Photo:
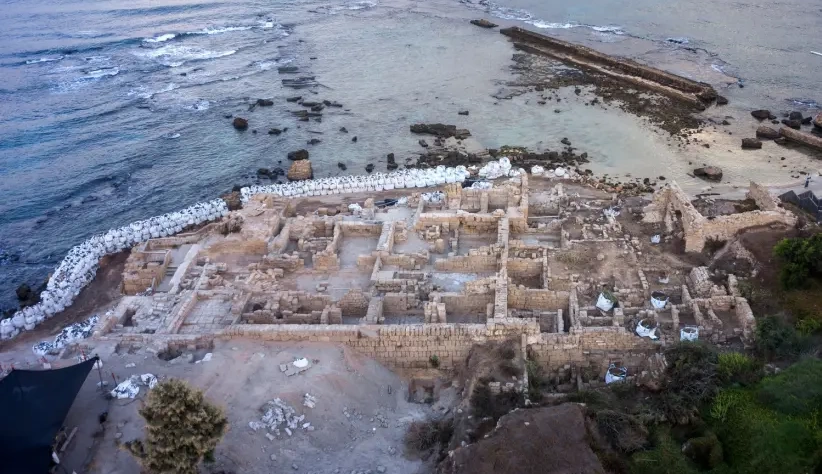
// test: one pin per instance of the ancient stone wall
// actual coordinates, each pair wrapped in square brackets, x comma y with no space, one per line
[525,267]
[461,304]
[520,297]
[762,197]
[144,269]
[360,229]
[354,303]
[467,263]
[670,205]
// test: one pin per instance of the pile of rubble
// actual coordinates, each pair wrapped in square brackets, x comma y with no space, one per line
[278,415]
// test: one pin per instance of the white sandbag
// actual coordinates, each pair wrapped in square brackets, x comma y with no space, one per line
[646,329]
[659,299]
[689,333]
[126,389]
[605,303]
[148,380]
[655,239]
[615,374]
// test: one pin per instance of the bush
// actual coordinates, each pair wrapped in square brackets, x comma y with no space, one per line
[775,339]
[808,326]
[434,360]
[705,451]
[801,260]
[796,390]
[691,380]
[738,368]
[756,439]
[625,433]
[181,429]
[665,458]
[536,380]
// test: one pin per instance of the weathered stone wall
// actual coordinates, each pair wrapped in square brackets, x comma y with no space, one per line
[762,197]
[670,204]
[467,264]
[144,269]
[354,303]
[361,229]
[524,267]
[456,303]
[520,297]
[593,347]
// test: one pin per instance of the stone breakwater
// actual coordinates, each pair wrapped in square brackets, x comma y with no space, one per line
[80,265]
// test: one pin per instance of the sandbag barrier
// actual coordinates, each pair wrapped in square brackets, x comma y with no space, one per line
[80,265]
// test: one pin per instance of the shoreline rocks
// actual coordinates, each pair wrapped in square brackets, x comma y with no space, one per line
[767,132]
[240,123]
[710,173]
[751,144]
[483,23]
[762,114]
[298,155]
[440,130]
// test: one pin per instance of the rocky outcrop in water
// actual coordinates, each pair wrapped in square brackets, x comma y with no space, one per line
[265,102]
[440,130]
[240,123]
[483,23]
[767,132]
[298,155]
[711,173]
[762,114]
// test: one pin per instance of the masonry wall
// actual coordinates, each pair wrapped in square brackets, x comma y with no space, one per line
[467,264]
[593,347]
[520,297]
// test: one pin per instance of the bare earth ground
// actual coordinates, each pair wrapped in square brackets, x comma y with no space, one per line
[360,417]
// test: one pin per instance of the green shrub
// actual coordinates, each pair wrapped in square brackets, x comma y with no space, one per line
[665,458]
[775,339]
[705,451]
[735,367]
[796,390]
[434,360]
[625,433]
[808,326]
[691,380]
[536,381]
[182,428]
[801,260]
[756,439]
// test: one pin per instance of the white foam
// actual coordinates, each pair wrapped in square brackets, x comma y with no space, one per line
[548,25]
[98,73]
[44,60]
[176,55]
[217,31]
[161,38]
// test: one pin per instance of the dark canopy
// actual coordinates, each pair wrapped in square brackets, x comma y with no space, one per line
[33,406]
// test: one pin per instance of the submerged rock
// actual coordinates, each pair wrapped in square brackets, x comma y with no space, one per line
[711,173]
[296,98]
[793,123]
[298,155]
[767,132]
[796,116]
[483,23]
[342,166]
[265,102]
[721,100]
[761,114]
[440,130]
[314,141]
[462,112]
[751,144]
[240,123]
[369,167]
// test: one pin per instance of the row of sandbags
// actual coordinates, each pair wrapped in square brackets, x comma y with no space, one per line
[80,264]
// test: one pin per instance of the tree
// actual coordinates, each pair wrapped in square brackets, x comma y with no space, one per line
[181,428]
[801,260]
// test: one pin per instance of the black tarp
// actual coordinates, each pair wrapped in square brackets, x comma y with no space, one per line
[33,406]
